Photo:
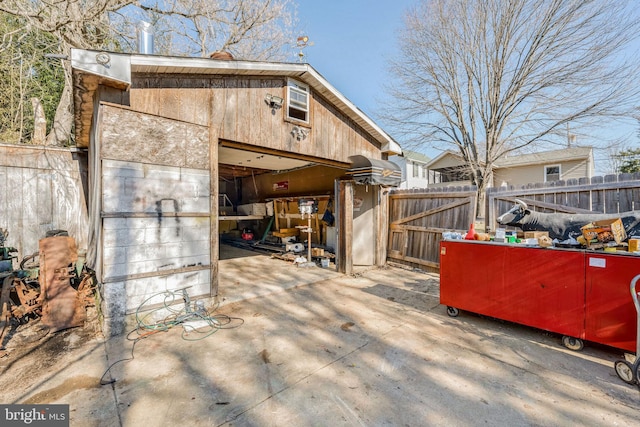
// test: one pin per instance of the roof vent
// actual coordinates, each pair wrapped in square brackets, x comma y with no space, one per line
[145,38]
[226,56]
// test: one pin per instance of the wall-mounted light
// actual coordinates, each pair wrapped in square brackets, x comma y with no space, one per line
[299,133]
[273,101]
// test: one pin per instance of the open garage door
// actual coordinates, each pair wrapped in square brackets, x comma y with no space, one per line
[259,190]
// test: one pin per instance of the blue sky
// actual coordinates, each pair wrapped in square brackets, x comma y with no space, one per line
[352,42]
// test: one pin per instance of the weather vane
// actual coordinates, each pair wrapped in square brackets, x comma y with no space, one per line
[301,43]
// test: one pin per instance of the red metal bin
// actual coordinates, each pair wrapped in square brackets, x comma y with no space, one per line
[611,317]
[543,288]
[576,293]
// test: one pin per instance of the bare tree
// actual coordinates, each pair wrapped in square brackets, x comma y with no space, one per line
[249,29]
[74,23]
[25,74]
[488,78]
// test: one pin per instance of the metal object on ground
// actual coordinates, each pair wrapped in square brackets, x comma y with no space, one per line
[627,371]
[19,292]
[53,290]
[62,305]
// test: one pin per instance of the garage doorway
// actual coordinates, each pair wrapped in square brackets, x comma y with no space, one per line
[259,193]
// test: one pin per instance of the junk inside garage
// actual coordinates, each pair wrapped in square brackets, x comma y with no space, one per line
[289,215]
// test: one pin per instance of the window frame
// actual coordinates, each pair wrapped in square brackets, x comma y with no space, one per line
[296,87]
[546,172]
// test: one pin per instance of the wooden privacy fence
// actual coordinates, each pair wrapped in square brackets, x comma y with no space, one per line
[419,217]
[41,189]
[609,194]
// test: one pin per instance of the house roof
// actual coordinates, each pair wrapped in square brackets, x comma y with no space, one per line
[445,159]
[449,158]
[545,157]
[118,68]
[414,155]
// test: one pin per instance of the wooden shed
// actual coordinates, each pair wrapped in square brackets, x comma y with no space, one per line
[184,153]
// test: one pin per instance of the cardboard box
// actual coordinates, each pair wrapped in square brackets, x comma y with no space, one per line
[535,234]
[286,232]
[253,209]
[225,226]
[607,230]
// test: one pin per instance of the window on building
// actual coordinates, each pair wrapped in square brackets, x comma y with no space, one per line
[552,173]
[425,172]
[453,174]
[416,170]
[297,101]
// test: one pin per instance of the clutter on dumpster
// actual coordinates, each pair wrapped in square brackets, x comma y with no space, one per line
[567,274]
[557,230]
[563,226]
[582,295]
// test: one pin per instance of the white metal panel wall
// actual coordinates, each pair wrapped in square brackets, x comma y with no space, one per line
[155,228]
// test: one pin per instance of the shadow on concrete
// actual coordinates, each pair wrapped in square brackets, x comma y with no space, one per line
[362,350]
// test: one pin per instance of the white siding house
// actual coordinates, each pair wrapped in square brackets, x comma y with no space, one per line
[414,169]
[448,169]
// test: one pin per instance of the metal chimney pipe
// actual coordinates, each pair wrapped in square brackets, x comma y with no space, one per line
[145,38]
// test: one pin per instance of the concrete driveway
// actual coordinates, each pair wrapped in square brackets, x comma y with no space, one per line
[375,349]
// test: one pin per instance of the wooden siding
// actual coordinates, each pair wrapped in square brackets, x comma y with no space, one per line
[239,112]
[41,189]
[152,139]
[608,194]
[344,206]
[417,219]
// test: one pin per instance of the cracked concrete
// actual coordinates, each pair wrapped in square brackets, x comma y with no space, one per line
[374,349]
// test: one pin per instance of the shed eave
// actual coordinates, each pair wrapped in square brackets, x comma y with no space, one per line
[85,61]
[306,73]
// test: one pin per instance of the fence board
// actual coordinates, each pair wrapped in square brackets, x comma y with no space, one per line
[40,190]
[609,194]
[419,217]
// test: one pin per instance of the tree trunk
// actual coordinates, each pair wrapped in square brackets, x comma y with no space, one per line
[62,124]
[39,123]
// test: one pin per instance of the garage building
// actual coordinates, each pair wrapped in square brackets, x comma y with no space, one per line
[187,153]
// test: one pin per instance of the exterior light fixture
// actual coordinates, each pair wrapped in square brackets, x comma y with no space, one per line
[273,101]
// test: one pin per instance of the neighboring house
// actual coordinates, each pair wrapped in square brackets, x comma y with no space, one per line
[166,136]
[546,166]
[414,169]
[448,169]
